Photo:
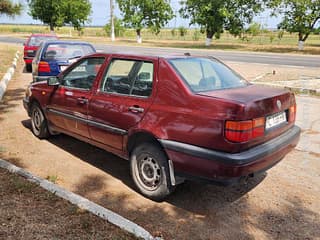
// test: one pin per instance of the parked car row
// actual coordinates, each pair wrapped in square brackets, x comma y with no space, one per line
[173,117]
[45,55]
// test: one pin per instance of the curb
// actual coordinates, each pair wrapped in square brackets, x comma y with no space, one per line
[293,89]
[7,77]
[81,202]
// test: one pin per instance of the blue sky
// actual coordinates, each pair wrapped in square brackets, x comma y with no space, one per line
[101,15]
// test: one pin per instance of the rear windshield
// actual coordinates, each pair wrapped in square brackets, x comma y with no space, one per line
[36,41]
[63,51]
[204,74]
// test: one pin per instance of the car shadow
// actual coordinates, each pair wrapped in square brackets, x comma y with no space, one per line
[188,195]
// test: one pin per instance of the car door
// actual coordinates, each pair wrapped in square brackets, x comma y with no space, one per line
[68,105]
[123,98]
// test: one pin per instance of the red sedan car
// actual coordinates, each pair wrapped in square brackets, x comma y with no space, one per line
[173,118]
[31,46]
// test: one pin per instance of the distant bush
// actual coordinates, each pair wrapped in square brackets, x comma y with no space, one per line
[182,31]
[196,35]
[173,32]
[119,29]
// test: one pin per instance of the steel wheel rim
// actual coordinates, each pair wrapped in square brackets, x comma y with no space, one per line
[36,120]
[149,172]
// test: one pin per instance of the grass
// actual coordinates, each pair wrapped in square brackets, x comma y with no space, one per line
[267,41]
[28,210]
[52,178]
[7,53]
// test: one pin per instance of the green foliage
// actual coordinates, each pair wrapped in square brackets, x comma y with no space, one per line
[119,28]
[59,12]
[254,29]
[300,16]
[173,32]
[182,31]
[196,35]
[216,16]
[52,178]
[152,14]
[9,8]
[76,13]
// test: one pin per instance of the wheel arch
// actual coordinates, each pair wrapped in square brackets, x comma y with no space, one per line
[141,137]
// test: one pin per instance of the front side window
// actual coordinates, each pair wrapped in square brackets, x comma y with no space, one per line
[129,77]
[203,74]
[83,74]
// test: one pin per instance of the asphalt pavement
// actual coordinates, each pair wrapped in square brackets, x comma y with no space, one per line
[292,60]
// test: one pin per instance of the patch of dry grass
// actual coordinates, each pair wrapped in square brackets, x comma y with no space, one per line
[29,212]
[7,52]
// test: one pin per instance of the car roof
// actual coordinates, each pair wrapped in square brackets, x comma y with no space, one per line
[66,42]
[43,35]
[152,56]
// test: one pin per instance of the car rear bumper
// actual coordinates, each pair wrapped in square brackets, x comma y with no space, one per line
[208,164]
[28,60]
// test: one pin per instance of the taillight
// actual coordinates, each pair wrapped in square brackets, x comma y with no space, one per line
[243,131]
[292,113]
[44,67]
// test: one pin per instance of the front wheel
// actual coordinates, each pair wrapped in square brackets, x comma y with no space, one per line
[39,122]
[150,171]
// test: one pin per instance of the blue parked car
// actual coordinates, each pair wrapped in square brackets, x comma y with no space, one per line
[53,57]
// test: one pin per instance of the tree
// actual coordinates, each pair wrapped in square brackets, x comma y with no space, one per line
[56,13]
[9,8]
[152,14]
[214,17]
[300,16]
[118,27]
[76,12]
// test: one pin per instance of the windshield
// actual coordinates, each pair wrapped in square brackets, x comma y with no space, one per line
[63,51]
[35,41]
[203,74]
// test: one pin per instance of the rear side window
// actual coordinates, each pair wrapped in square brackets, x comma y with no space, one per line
[66,51]
[203,74]
[129,77]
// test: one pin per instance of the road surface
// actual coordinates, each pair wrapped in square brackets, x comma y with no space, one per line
[293,60]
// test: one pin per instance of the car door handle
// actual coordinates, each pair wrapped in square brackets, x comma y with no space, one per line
[82,100]
[136,109]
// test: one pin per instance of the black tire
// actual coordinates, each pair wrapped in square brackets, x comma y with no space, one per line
[150,171]
[39,122]
[29,67]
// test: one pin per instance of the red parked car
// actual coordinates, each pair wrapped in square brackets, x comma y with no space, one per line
[173,118]
[31,46]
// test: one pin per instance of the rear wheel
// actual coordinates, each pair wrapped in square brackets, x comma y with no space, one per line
[39,122]
[150,171]
[29,67]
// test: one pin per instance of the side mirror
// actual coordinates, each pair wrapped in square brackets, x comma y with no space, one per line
[53,81]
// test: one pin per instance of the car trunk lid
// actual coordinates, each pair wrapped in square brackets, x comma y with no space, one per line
[274,106]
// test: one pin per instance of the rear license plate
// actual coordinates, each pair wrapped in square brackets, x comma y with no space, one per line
[276,119]
[62,68]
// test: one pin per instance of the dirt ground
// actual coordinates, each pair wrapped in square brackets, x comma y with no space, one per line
[283,203]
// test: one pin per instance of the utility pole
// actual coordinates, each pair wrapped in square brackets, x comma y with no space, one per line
[112,21]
